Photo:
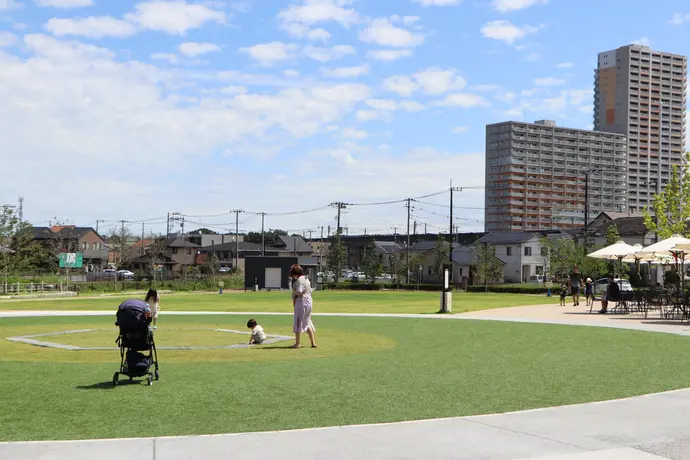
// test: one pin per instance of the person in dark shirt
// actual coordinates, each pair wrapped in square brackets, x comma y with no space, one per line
[575,285]
[613,294]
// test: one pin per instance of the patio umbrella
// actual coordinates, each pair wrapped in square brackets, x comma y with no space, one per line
[668,247]
[617,251]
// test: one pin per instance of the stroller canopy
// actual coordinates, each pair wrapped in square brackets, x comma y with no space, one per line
[131,315]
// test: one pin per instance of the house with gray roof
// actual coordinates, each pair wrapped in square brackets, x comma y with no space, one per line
[522,253]
[73,239]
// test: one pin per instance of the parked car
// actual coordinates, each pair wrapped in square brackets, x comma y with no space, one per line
[225,269]
[125,274]
[601,285]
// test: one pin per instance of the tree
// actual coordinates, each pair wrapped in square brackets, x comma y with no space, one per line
[156,252]
[270,237]
[612,235]
[486,265]
[671,207]
[18,236]
[337,255]
[121,250]
[373,262]
[441,251]
[561,255]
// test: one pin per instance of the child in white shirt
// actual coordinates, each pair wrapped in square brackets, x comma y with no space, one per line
[258,334]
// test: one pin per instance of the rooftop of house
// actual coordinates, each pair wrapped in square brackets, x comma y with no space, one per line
[180,243]
[62,231]
[627,226]
[508,237]
[243,246]
[292,243]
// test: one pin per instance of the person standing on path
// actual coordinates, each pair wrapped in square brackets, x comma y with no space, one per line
[302,304]
[575,285]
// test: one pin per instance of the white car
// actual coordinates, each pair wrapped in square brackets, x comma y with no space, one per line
[125,274]
[601,285]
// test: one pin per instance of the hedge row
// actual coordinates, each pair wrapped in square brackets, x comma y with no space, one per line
[515,289]
[380,287]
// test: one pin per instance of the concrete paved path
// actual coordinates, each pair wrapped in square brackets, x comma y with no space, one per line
[641,428]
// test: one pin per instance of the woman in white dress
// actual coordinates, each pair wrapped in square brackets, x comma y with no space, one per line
[302,303]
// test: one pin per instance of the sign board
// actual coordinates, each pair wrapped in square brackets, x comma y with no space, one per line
[549,284]
[71,260]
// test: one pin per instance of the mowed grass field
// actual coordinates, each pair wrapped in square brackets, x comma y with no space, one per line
[366,370]
[324,302]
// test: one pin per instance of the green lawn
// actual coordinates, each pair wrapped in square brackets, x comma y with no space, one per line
[365,370]
[324,302]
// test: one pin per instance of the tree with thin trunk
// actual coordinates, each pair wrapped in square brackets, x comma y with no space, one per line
[670,210]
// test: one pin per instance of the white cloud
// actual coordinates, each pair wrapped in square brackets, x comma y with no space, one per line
[63,4]
[409,20]
[92,27]
[318,11]
[644,41]
[465,100]
[382,32]
[549,81]
[271,53]
[389,55]
[168,57]
[301,31]
[400,84]
[174,17]
[679,19]
[382,104]
[411,106]
[565,65]
[7,39]
[433,80]
[438,2]
[346,72]
[10,5]
[487,87]
[505,6]
[233,90]
[292,73]
[192,49]
[349,133]
[533,57]
[506,31]
[134,113]
[328,54]
[369,115]
[508,96]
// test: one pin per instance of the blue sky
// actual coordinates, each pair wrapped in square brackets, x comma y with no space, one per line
[123,110]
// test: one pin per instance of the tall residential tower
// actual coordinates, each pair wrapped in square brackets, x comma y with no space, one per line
[538,175]
[640,94]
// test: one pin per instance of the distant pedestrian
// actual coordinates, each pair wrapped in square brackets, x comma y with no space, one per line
[564,292]
[589,292]
[153,300]
[302,304]
[575,285]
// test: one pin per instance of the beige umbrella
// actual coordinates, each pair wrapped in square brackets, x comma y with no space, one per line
[617,251]
[670,247]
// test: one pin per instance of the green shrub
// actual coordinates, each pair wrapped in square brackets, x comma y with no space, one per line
[556,290]
[353,287]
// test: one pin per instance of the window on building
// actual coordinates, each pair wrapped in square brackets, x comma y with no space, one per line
[509,251]
[460,271]
[428,271]
[528,250]
[174,250]
[544,251]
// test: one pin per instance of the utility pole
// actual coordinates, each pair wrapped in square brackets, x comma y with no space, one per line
[142,240]
[97,222]
[425,232]
[167,228]
[21,209]
[407,248]
[340,206]
[321,250]
[263,235]
[415,228]
[450,252]
[237,237]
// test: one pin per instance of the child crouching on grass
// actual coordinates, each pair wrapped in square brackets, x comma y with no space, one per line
[258,334]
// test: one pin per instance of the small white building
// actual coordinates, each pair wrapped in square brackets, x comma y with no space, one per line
[521,252]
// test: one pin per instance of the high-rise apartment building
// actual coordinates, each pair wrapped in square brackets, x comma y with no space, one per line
[640,93]
[537,175]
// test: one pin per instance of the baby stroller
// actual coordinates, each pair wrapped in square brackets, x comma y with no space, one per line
[135,337]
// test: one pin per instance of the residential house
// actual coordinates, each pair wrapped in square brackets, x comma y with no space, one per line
[320,252]
[70,238]
[181,251]
[228,253]
[424,255]
[289,246]
[210,239]
[522,253]
[356,254]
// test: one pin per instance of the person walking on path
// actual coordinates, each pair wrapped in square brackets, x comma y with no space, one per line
[302,304]
[589,292]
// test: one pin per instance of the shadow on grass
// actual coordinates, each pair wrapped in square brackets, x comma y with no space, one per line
[109,385]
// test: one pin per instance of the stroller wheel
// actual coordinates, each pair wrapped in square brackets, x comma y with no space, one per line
[156,375]
[115,377]
[150,381]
